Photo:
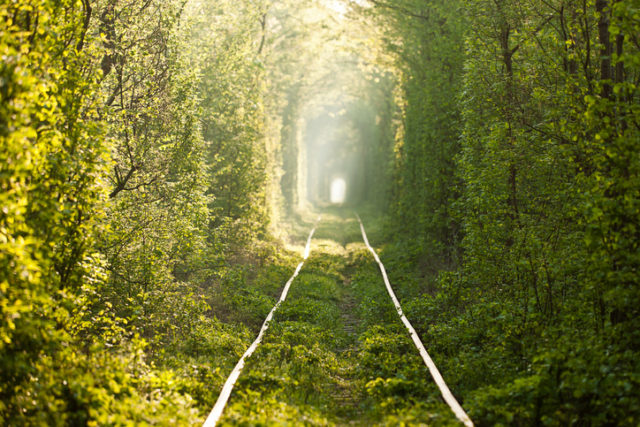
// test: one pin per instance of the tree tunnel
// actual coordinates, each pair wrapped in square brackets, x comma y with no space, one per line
[334,152]
[339,150]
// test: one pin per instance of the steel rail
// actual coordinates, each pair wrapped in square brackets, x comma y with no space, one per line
[435,373]
[223,398]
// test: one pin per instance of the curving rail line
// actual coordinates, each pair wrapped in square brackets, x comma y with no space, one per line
[444,389]
[216,412]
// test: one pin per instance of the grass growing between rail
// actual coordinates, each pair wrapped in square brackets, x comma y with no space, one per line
[336,352]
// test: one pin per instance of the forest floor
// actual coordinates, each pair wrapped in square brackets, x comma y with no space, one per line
[336,352]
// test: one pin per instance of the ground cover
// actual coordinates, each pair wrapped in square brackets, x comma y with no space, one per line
[336,352]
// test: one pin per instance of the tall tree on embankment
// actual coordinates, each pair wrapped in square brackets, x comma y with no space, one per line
[228,40]
[427,43]
[550,167]
[156,209]
[55,161]
[104,228]
[538,323]
[47,153]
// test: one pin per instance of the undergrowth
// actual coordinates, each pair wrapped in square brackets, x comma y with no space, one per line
[336,352]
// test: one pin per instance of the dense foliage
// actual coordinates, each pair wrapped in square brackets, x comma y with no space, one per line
[519,166]
[115,215]
[150,149]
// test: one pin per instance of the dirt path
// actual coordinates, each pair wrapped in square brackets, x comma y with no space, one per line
[347,394]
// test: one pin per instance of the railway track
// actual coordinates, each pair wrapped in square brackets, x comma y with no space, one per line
[343,389]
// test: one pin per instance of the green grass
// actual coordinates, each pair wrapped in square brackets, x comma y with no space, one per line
[335,352]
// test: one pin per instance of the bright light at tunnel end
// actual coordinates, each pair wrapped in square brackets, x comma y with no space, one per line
[338,190]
